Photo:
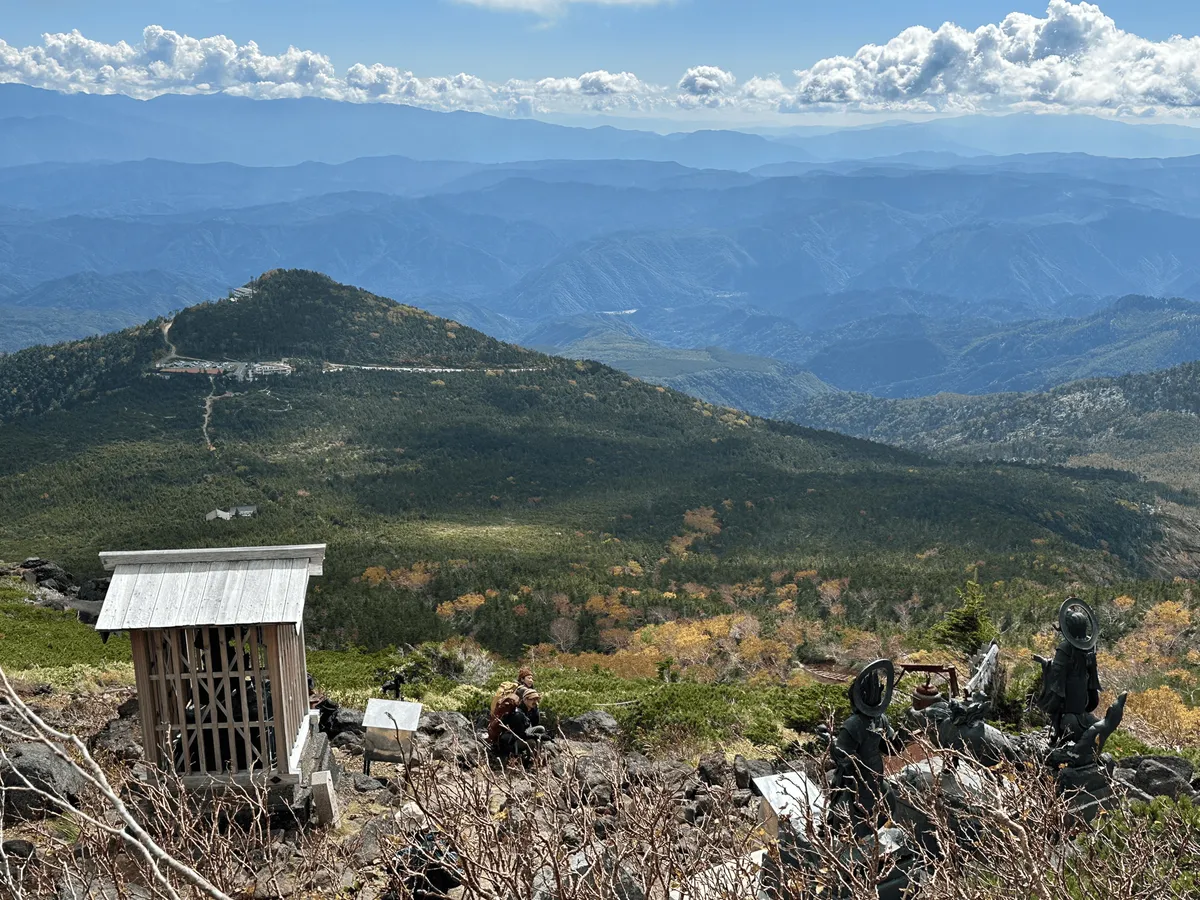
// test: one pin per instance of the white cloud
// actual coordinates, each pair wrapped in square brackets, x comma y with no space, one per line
[706,86]
[1072,58]
[1075,58]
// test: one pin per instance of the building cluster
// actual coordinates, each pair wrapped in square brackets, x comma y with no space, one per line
[239,370]
[242,512]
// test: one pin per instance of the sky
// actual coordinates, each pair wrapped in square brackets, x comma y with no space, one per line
[767,60]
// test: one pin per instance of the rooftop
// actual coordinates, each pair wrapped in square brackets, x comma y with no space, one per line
[222,586]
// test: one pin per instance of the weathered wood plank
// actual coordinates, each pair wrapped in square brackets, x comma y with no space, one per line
[113,558]
[146,706]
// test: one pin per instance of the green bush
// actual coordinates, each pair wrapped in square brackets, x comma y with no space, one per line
[968,627]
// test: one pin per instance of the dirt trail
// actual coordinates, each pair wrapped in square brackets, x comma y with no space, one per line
[212,397]
[172,351]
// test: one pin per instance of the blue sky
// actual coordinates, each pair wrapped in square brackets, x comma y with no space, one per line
[657,41]
[768,62]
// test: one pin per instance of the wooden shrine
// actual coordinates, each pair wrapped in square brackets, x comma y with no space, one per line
[218,653]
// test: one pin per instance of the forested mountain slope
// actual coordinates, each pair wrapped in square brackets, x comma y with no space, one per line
[563,476]
[1147,423]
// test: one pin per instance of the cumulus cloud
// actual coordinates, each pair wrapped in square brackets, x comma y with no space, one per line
[706,86]
[1072,58]
[1075,58]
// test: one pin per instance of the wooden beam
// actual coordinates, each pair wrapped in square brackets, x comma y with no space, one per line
[279,704]
[146,711]
[315,553]
[264,744]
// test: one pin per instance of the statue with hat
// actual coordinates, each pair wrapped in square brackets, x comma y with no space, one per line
[1070,690]
[861,743]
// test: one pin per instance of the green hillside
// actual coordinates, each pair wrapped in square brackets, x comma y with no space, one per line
[757,384]
[294,314]
[1146,423]
[481,501]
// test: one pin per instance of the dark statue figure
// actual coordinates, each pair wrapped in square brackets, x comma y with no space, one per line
[861,743]
[1071,689]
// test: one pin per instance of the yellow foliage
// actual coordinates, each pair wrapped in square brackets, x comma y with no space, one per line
[1123,602]
[1168,720]
[703,520]
[1168,614]
[375,575]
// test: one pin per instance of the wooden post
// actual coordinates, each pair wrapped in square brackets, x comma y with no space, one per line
[279,704]
[146,707]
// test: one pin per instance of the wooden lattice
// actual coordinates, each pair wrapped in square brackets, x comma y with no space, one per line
[209,692]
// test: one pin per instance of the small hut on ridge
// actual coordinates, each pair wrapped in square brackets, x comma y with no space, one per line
[218,653]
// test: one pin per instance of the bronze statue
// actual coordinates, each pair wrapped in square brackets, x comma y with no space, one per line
[861,743]
[1071,689]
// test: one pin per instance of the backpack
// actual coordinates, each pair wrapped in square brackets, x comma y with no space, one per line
[506,688]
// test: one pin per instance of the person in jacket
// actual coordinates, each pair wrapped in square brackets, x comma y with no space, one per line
[521,729]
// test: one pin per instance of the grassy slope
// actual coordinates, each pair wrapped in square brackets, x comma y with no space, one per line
[545,479]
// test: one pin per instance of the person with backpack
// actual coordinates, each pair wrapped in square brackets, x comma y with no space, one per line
[519,729]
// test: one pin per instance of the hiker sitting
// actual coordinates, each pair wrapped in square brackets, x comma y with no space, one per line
[524,681]
[520,728]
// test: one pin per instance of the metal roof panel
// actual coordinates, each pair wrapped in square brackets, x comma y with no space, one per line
[243,585]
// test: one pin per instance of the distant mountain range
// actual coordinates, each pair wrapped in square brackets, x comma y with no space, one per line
[44,126]
[751,269]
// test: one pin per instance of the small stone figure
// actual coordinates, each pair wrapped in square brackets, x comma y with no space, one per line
[860,745]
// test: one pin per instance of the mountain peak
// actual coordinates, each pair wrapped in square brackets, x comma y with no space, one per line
[295,313]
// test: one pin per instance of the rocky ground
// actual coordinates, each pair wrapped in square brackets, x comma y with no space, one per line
[53,587]
[586,800]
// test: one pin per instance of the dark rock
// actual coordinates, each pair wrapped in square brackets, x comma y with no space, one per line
[1087,789]
[589,872]
[715,769]
[1182,767]
[347,720]
[596,725]
[121,739]
[570,836]
[365,784]
[1159,777]
[598,773]
[40,767]
[19,851]
[448,736]
[742,797]
[94,590]
[349,741]
[369,844]
[638,769]
[674,775]
[746,770]
[605,826]
[129,708]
